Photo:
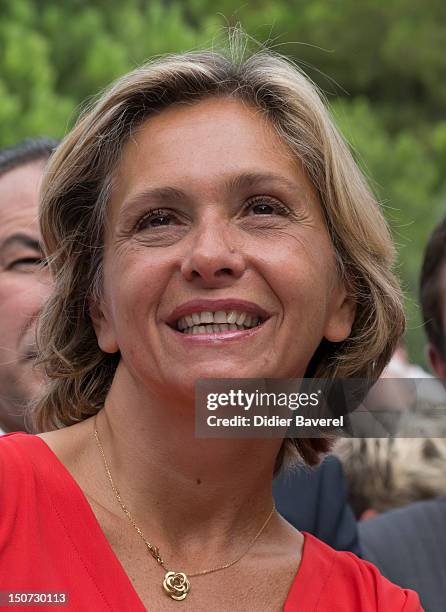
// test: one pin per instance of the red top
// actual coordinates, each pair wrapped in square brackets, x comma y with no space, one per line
[50,541]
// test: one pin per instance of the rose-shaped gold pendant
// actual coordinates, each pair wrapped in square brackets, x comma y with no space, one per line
[176,585]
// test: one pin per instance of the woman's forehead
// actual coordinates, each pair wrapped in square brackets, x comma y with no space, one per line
[210,143]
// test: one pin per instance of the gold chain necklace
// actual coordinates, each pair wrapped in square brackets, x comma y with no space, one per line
[176,584]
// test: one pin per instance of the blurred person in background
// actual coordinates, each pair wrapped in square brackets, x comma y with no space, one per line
[387,473]
[409,544]
[433,299]
[24,281]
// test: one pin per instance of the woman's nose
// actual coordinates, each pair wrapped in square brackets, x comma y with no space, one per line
[214,257]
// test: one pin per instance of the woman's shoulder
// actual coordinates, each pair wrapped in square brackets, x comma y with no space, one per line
[16,452]
[28,458]
[22,457]
[337,580]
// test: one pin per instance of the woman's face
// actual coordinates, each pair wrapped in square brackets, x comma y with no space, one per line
[217,261]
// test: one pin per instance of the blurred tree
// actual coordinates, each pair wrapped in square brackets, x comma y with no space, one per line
[55,55]
[29,104]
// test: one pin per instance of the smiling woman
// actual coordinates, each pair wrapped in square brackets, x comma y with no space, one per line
[204,219]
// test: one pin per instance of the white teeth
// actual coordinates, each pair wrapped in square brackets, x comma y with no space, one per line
[206,317]
[232,317]
[220,317]
[211,329]
[214,322]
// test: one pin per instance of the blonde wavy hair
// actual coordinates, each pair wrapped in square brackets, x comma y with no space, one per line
[77,188]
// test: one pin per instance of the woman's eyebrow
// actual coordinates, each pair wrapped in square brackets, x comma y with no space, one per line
[155,194]
[254,179]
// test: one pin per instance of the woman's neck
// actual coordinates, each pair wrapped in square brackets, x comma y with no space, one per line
[180,489]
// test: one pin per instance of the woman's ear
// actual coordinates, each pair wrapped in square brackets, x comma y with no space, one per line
[342,315]
[103,326]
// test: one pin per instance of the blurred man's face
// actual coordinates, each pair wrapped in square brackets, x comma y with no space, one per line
[23,288]
[437,358]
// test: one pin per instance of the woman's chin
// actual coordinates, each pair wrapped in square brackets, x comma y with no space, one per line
[185,386]
[229,372]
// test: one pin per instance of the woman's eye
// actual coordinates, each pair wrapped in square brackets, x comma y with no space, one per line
[159,220]
[156,218]
[262,209]
[266,206]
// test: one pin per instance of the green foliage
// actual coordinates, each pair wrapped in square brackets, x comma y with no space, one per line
[380,62]
[55,55]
